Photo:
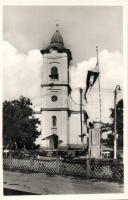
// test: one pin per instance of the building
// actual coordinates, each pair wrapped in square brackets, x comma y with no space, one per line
[55,92]
[56,111]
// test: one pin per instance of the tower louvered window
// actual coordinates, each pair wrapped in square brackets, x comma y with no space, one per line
[54,121]
[54,73]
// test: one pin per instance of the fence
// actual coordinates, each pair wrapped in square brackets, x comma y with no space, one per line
[87,168]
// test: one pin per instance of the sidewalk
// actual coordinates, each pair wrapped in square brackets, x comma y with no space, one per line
[39,183]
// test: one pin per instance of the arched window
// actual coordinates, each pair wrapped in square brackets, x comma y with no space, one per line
[54,120]
[54,70]
[54,73]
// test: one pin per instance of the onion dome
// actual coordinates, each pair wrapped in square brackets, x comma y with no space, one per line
[56,43]
[57,40]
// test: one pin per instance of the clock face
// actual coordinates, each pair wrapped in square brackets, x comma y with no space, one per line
[54,98]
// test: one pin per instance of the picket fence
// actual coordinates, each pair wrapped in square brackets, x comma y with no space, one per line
[87,168]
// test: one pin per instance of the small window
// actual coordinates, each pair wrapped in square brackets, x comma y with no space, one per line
[54,73]
[54,98]
[53,120]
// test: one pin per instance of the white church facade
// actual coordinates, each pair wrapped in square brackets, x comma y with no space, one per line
[55,92]
[55,109]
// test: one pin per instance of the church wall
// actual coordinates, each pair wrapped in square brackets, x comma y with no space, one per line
[58,60]
[61,127]
[60,91]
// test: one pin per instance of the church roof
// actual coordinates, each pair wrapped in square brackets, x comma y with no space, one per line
[57,40]
[57,43]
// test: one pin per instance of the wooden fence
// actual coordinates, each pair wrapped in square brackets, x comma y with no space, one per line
[87,168]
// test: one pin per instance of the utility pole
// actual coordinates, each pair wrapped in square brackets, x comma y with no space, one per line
[115,119]
[81,117]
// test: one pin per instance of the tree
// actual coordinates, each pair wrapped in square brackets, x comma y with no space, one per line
[109,127]
[19,124]
[119,121]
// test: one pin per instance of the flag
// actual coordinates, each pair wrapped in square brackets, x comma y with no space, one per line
[85,117]
[92,76]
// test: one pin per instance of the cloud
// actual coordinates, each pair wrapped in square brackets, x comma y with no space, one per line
[22,76]
[110,67]
[111,72]
[21,72]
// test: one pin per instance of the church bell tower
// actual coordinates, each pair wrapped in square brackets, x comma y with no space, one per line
[55,92]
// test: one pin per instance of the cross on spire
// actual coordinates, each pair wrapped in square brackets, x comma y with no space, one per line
[57,26]
[97,55]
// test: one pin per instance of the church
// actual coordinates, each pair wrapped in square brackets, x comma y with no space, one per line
[55,93]
[56,90]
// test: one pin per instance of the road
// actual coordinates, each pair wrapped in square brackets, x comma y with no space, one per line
[39,183]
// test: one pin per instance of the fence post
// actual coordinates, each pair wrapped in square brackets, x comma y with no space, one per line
[58,165]
[10,161]
[88,167]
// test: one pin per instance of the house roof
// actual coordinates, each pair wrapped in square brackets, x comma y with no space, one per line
[105,148]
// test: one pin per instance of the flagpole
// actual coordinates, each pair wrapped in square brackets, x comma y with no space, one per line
[81,115]
[97,65]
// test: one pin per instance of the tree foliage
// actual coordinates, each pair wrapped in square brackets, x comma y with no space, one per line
[119,121]
[119,125]
[19,124]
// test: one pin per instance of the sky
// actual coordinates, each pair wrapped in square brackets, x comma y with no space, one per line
[28,29]
[82,28]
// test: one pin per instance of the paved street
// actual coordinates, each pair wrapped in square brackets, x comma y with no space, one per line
[39,183]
